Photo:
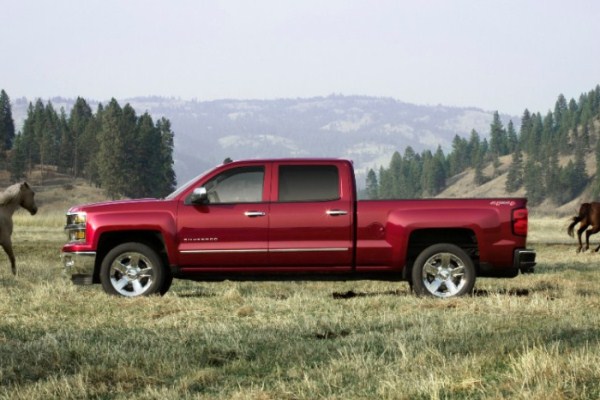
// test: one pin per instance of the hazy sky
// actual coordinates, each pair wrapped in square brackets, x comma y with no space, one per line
[497,55]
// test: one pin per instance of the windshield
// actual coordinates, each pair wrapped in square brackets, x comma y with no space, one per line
[185,186]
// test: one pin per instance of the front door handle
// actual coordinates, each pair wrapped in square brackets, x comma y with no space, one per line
[254,214]
[336,213]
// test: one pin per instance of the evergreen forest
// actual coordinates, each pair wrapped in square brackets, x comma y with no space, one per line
[113,148]
[548,154]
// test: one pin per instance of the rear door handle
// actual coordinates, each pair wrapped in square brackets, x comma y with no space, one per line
[336,213]
[254,214]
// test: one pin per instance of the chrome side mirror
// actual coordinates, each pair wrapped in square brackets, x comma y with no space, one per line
[199,196]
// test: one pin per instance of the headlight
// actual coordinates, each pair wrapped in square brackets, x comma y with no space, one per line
[75,228]
[78,218]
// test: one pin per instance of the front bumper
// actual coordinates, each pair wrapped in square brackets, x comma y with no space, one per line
[524,260]
[79,266]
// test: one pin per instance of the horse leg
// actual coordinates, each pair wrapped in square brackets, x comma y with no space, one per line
[11,256]
[596,229]
[590,232]
[579,233]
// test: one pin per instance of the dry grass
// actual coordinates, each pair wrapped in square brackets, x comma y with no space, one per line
[532,337]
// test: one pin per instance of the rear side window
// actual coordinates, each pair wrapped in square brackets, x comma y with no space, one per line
[308,183]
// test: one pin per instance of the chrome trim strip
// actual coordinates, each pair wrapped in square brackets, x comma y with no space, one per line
[224,251]
[307,250]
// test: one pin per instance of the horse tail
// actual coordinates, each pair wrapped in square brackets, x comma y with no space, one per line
[572,226]
[583,212]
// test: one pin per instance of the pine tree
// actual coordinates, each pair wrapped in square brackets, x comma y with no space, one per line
[573,178]
[479,178]
[474,148]
[79,119]
[148,159]
[513,140]
[443,173]
[396,176]
[433,178]
[525,131]
[66,145]
[130,154]
[498,137]
[48,125]
[111,159]
[386,184]
[18,160]
[7,124]
[89,147]
[580,178]
[459,157]
[561,121]
[32,133]
[372,186]
[169,180]
[551,173]
[533,182]
[514,179]
[411,174]
[535,137]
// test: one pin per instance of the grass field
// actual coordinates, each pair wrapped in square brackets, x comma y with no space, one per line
[532,337]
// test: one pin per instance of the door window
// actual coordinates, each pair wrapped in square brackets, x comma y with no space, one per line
[308,183]
[238,185]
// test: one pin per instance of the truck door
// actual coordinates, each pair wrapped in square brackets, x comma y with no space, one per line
[311,217]
[231,229]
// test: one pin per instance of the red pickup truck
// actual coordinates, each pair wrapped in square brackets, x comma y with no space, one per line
[293,219]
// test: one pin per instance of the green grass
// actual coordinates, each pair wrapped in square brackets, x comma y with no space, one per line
[532,337]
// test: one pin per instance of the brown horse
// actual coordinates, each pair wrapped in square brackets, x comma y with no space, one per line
[15,196]
[589,215]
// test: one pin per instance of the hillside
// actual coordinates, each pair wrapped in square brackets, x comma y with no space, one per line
[463,185]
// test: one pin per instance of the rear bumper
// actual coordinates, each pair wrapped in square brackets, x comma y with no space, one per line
[79,266]
[524,260]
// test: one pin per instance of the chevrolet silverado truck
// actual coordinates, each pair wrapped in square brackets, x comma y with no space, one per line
[293,219]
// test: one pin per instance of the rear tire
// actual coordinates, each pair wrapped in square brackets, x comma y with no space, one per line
[443,270]
[132,270]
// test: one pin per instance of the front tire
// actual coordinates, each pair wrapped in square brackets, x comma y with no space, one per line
[443,270]
[132,270]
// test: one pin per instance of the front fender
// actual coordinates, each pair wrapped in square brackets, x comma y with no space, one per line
[152,221]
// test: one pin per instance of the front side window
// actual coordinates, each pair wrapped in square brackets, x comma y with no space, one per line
[308,183]
[238,185]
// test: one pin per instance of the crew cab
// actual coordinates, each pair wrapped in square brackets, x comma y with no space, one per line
[293,219]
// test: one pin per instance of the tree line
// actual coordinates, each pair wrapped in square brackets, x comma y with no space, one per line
[113,148]
[548,156]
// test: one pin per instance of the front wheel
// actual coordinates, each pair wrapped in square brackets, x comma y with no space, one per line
[443,270]
[131,270]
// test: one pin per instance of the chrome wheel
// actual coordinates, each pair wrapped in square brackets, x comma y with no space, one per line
[133,269]
[131,274]
[444,275]
[443,270]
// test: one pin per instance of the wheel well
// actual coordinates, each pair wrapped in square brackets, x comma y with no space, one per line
[420,239]
[109,240]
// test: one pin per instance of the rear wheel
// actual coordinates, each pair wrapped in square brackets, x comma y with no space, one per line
[443,270]
[133,269]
